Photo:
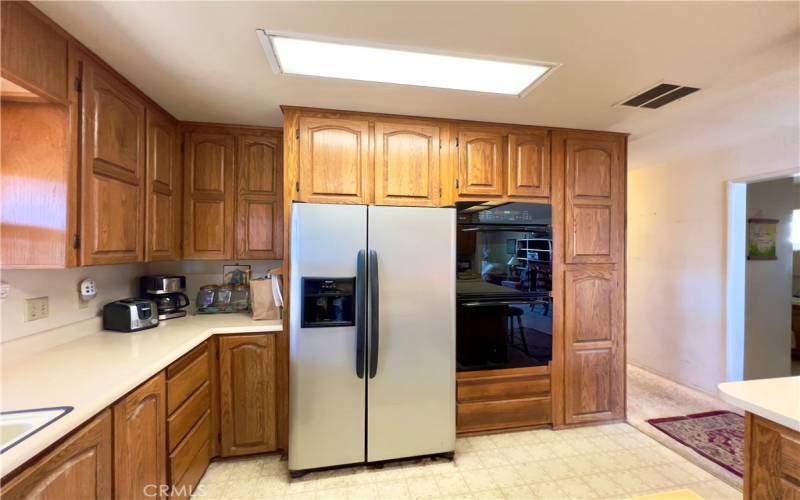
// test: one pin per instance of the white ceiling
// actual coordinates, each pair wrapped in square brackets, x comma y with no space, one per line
[202,60]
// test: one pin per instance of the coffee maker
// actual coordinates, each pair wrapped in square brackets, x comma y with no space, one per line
[167,292]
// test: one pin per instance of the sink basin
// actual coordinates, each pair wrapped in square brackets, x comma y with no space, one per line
[16,426]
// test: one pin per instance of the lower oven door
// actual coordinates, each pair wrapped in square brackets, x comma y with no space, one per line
[494,334]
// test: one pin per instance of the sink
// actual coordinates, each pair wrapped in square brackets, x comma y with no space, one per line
[16,426]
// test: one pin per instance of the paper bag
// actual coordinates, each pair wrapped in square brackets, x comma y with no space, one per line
[262,300]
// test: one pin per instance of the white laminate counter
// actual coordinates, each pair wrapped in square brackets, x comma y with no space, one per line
[776,399]
[89,372]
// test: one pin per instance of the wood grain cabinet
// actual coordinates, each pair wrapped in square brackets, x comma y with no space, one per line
[79,467]
[407,163]
[209,196]
[163,189]
[248,413]
[259,172]
[481,165]
[772,460]
[333,160]
[528,164]
[33,53]
[112,170]
[140,441]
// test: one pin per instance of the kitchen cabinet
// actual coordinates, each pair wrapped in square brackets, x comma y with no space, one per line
[163,188]
[33,53]
[407,164]
[247,379]
[480,162]
[112,170]
[772,460]
[528,172]
[140,440]
[208,196]
[79,467]
[259,224]
[334,160]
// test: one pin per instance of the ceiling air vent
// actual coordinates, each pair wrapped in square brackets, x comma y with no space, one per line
[660,95]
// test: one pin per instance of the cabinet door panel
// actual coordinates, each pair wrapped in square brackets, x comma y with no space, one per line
[209,196]
[480,163]
[140,440]
[334,160]
[594,346]
[595,205]
[163,189]
[529,165]
[113,168]
[259,230]
[247,394]
[80,467]
[406,164]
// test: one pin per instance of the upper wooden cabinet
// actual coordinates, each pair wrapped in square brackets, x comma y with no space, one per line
[259,229]
[80,467]
[594,197]
[140,442]
[247,371]
[33,53]
[407,164]
[333,160]
[480,163]
[163,189]
[208,196]
[113,170]
[528,164]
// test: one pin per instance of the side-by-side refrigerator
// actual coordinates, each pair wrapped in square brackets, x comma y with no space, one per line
[372,334]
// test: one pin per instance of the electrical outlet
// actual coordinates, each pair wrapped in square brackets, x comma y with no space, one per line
[4,288]
[38,308]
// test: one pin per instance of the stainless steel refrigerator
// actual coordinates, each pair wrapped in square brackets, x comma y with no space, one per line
[372,334]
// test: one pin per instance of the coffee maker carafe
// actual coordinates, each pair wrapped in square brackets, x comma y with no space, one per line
[167,291]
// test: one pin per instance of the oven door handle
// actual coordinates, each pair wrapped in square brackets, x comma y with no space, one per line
[489,303]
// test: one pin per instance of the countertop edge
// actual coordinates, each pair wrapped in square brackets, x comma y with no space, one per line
[756,409]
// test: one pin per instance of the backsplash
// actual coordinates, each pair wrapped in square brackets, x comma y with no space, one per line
[61,286]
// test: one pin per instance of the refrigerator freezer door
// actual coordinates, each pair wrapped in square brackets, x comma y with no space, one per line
[411,398]
[326,395]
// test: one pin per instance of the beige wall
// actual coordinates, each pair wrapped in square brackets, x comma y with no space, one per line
[769,286]
[677,251]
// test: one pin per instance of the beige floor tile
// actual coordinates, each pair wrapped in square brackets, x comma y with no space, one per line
[604,486]
[575,488]
[547,490]
[506,476]
[452,483]
[716,490]
[479,480]
[494,458]
[424,487]
[392,490]
[519,492]
[492,494]
[332,494]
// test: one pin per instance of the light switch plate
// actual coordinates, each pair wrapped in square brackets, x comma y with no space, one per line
[4,288]
[38,308]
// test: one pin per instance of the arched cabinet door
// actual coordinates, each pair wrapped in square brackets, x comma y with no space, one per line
[407,164]
[334,160]
[480,163]
[247,394]
[529,165]
[259,220]
[163,189]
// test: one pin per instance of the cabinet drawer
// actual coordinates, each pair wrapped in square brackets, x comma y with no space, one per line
[499,387]
[186,381]
[185,486]
[790,456]
[180,422]
[489,415]
[181,459]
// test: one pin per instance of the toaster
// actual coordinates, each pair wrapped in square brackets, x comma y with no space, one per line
[130,315]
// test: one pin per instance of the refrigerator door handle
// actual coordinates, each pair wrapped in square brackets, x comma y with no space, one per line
[373,316]
[361,310]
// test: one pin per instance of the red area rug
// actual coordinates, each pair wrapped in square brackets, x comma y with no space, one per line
[716,435]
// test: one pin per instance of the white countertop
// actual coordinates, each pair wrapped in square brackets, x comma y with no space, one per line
[776,399]
[92,371]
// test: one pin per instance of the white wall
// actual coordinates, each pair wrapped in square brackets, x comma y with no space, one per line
[769,286]
[61,286]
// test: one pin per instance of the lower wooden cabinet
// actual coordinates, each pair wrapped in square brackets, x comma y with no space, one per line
[247,394]
[140,441]
[80,467]
[772,460]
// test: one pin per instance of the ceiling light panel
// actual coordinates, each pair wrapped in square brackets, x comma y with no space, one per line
[302,56]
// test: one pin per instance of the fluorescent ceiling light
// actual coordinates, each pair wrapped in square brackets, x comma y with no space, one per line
[295,55]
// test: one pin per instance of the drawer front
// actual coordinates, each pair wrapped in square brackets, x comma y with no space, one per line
[185,382]
[180,423]
[503,387]
[790,456]
[186,485]
[181,459]
[489,415]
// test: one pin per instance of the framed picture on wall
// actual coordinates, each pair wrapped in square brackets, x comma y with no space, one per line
[236,275]
[762,239]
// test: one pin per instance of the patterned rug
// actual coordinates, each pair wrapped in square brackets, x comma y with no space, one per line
[716,435]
